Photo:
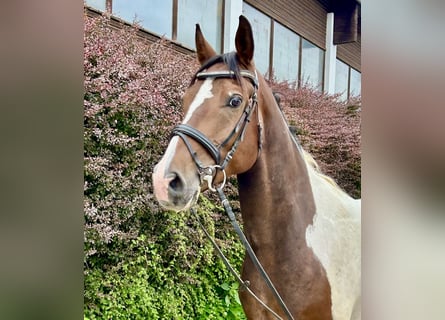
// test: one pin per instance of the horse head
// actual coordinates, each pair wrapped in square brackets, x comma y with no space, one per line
[218,106]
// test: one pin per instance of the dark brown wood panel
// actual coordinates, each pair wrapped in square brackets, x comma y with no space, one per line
[305,17]
[350,53]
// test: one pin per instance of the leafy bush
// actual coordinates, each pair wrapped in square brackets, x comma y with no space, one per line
[140,261]
[166,281]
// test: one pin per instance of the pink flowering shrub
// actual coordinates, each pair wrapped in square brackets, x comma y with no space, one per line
[132,98]
[328,128]
[142,262]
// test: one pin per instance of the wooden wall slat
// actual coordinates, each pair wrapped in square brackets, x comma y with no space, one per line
[350,53]
[305,17]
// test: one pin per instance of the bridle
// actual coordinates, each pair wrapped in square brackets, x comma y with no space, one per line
[208,173]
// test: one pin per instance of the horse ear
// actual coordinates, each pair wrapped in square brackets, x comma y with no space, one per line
[203,48]
[244,41]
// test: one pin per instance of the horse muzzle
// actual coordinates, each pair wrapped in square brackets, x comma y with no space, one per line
[173,190]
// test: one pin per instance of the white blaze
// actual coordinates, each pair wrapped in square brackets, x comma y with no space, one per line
[205,92]
[164,164]
[160,181]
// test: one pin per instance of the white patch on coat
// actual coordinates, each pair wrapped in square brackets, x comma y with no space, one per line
[204,92]
[335,238]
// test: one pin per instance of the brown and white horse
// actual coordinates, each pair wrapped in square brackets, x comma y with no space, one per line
[303,228]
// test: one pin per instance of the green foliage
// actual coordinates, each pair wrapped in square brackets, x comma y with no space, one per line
[166,278]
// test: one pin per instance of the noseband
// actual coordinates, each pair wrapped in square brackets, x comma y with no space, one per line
[207,173]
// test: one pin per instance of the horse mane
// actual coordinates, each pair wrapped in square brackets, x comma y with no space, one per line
[307,157]
[230,59]
[310,161]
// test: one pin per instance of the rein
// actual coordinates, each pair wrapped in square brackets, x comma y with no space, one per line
[244,284]
[207,173]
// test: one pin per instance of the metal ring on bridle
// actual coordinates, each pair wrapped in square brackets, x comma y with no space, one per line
[210,176]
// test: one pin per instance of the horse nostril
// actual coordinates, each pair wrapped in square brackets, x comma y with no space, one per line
[176,184]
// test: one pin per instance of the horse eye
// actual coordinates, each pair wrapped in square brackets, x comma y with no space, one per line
[235,101]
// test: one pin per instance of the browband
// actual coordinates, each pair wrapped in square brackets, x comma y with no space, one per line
[228,74]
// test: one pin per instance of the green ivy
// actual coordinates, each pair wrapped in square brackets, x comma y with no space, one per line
[161,280]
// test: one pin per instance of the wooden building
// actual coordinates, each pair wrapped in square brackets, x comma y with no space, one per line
[302,41]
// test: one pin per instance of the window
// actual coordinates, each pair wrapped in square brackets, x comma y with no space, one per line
[286,46]
[347,78]
[208,14]
[98,4]
[341,79]
[261,35]
[153,15]
[356,83]
[312,65]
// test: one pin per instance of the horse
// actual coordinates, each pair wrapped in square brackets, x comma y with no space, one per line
[304,229]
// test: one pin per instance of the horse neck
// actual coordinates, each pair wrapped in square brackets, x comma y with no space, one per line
[276,191]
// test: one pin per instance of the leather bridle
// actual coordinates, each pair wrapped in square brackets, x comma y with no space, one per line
[207,173]
[185,131]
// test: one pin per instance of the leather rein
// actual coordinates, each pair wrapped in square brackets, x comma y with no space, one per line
[208,173]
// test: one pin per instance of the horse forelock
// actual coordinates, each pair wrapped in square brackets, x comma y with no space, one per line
[230,59]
